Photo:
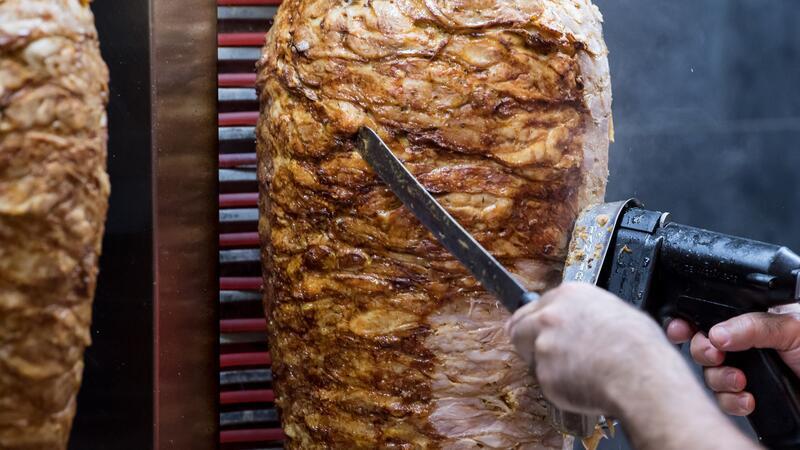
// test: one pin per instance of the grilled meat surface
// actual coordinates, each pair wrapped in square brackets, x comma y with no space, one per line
[53,201]
[380,339]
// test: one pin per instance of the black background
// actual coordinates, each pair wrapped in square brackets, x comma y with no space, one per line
[115,407]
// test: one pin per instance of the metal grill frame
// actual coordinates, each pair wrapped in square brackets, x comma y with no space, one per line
[183,62]
[248,418]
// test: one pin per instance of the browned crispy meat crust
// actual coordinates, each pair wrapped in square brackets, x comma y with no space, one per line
[502,109]
[53,201]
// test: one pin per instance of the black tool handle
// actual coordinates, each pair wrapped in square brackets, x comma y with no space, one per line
[776,388]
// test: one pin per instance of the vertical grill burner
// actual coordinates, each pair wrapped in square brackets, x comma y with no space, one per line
[248,419]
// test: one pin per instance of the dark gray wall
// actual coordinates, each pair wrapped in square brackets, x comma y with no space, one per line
[707,114]
[707,111]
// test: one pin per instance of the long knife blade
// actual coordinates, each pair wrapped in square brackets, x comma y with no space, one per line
[460,243]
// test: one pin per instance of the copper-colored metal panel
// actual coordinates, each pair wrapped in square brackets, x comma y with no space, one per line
[183,73]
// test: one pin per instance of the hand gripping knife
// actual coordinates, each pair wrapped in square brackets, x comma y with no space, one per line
[666,269]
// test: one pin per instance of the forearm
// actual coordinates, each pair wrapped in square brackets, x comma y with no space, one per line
[668,410]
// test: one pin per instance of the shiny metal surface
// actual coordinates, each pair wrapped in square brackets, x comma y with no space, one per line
[572,424]
[183,95]
[591,239]
[237,134]
[239,54]
[237,176]
[241,377]
[228,297]
[247,12]
[248,417]
[236,95]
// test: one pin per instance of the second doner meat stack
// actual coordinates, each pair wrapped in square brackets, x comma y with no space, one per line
[380,338]
[53,200]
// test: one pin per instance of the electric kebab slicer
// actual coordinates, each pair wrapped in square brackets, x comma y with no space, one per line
[666,269]
[671,270]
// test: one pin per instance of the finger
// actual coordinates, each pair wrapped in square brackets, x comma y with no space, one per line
[533,323]
[738,404]
[520,315]
[757,330]
[679,331]
[725,379]
[704,353]
[531,308]
[523,335]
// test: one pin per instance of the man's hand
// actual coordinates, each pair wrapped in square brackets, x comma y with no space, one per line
[779,331]
[590,348]
[595,354]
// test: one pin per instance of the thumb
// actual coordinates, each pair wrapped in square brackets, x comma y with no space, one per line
[757,330]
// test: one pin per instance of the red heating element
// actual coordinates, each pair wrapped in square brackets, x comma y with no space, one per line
[248,418]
